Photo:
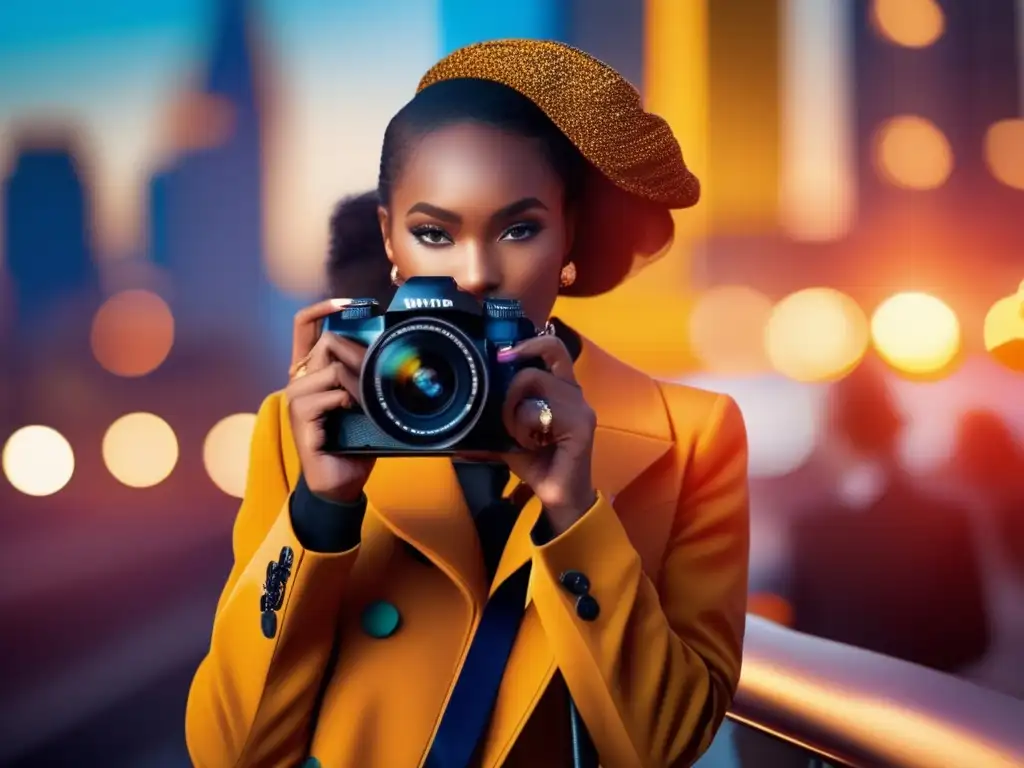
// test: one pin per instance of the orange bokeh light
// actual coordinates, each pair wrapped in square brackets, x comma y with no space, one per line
[1004,331]
[140,450]
[201,121]
[772,607]
[1004,152]
[727,329]
[913,153]
[816,335]
[910,23]
[226,452]
[132,333]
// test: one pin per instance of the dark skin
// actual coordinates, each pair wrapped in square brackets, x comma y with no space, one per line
[485,207]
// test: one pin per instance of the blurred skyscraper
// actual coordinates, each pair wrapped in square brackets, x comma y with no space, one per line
[207,207]
[46,230]
[925,100]
[962,82]
[613,31]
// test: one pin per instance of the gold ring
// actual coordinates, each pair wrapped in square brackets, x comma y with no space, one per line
[299,369]
[545,417]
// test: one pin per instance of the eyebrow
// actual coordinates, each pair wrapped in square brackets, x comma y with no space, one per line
[514,209]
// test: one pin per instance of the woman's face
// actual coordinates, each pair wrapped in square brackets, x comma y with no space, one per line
[484,207]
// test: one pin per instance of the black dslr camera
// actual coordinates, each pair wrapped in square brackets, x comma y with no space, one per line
[431,382]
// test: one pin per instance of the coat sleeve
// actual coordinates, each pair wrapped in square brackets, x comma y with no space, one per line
[655,673]
[252,699]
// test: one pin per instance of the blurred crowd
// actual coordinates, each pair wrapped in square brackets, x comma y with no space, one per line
[930,570]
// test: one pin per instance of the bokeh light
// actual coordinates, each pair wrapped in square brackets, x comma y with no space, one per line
[910,23]
[1004,331]
[1004,152]
[140,450]
[132,333]
[226,452]
[727,329]
[916,333]
[772,607]
[912,153]
[816,335]
[200,121]
[38,460]
[784,418]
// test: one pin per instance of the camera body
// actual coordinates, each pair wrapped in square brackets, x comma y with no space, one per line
[431,382]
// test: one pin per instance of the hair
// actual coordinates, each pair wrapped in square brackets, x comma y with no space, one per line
[357,262]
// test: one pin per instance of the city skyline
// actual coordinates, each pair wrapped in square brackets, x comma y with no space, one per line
[118,84]
[114,75]
[750,178]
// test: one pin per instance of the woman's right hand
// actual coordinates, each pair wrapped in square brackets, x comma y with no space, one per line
[327,379]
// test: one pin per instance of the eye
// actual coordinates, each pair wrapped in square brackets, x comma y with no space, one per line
[431,235]
[521,231]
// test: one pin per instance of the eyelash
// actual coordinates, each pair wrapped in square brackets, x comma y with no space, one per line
[426,230]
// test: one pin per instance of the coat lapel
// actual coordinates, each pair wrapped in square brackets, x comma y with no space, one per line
[419,500]
[633,433]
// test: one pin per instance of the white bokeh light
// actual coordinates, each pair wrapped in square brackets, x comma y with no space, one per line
[38,460]
[784,419]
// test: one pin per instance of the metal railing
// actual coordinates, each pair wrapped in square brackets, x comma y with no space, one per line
[867,710]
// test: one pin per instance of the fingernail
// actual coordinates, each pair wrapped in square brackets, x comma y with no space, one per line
[506,355]
[340,303]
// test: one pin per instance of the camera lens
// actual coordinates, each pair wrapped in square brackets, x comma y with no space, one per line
[428,383]
[415,377]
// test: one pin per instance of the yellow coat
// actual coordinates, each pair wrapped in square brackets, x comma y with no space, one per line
[665,549]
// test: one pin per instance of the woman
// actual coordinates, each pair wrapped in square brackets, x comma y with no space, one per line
[426,611]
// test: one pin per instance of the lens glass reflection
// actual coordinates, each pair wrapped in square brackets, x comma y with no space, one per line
[416,376]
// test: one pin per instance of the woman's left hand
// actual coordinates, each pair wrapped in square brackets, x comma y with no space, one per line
[556,461]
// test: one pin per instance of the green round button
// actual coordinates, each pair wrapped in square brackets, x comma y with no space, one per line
[381,619]
[311,762]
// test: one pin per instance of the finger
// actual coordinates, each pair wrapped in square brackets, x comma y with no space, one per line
[528,425]
[529,382]
[334,376]
[306,326]
[521,412]
[332,347]
[311,408]
[552,351]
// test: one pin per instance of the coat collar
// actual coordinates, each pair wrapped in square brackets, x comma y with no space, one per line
[419,499]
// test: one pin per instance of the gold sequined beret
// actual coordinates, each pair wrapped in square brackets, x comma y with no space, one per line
[601,113]
[592,104]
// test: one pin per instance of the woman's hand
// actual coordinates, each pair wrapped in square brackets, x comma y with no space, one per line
[324,378]
[556,460]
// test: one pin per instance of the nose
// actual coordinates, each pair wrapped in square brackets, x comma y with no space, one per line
[480,274]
